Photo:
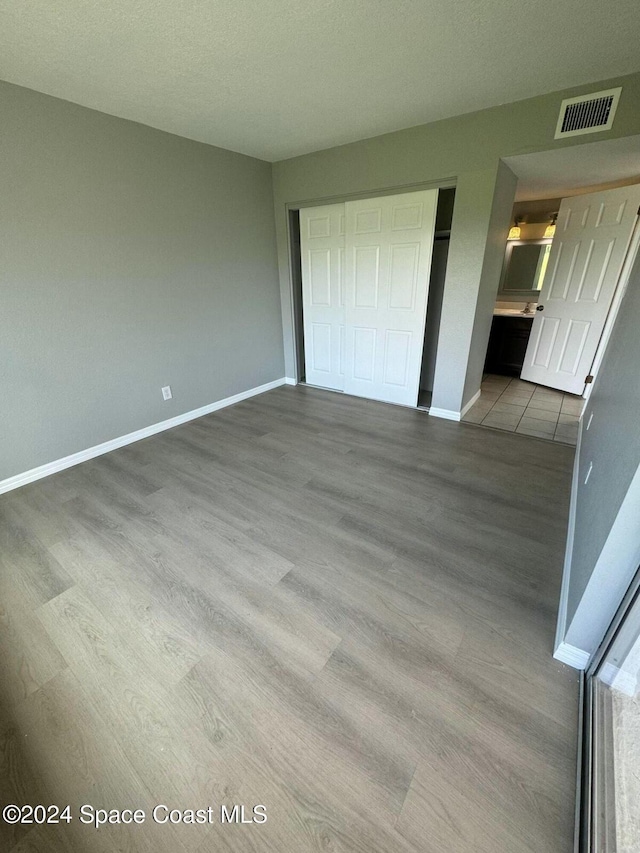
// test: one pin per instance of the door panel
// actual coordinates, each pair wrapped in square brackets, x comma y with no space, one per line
[397,347]
[320,273]
[322,246]
[364,348]
[403,275]
[547,333]
[389,244]
[587,254]
[367,221]
[367,270]
[321,347]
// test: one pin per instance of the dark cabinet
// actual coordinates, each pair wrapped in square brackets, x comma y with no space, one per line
[507,345]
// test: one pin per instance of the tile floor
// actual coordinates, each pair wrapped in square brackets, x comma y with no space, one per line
[518,406]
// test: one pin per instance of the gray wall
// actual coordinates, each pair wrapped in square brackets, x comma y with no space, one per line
[504,193]
[465,150]
[612,443]
[131,259]
[469,234]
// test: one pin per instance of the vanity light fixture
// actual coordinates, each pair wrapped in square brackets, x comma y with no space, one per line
[514,231]
[551,228]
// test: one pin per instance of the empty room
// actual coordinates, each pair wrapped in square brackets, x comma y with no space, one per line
[319,444]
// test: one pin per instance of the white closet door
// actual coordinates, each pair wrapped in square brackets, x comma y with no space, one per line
[389,244]
[587,253]
[322,247]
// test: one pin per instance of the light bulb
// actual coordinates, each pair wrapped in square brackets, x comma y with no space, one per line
[550,230]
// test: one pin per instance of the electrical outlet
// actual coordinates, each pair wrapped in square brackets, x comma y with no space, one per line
[166,392]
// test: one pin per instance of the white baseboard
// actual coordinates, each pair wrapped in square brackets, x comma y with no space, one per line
[471,402]
[451,414]
[83,455]
[290,380]
[577,658]
[447,414]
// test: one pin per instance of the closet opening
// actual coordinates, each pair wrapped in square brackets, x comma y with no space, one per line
[444,215]
[367,281]
[296,281]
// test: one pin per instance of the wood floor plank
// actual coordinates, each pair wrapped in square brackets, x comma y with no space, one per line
[462,800]
[29,658]
[19,779]
[163,742]
[114,590]
[338,608]
[308,758]
[79,762]
[46,839]
[27,569]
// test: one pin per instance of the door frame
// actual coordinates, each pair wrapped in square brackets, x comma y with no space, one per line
[290,207]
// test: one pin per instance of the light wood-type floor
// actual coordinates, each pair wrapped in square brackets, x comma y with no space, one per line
[340,609]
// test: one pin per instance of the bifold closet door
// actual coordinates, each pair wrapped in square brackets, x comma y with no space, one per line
[322,247]
[389,242]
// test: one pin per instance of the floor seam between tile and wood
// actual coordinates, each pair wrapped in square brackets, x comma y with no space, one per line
[514,405]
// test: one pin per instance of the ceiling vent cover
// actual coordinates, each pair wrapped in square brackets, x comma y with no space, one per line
[587,113]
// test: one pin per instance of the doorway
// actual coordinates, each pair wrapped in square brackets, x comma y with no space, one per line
[368,280]
[444,216]
[563,274]
[365,281]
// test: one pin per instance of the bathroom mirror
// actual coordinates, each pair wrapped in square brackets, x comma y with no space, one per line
[525,264]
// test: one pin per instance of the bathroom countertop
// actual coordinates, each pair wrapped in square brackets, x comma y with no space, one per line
[512,312]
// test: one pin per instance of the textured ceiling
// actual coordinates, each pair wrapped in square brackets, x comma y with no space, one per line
[276,78]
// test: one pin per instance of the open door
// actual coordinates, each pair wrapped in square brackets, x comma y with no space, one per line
[592,236]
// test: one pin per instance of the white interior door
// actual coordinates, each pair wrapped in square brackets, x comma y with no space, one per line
[322,248]
[389,242]
[592,236]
